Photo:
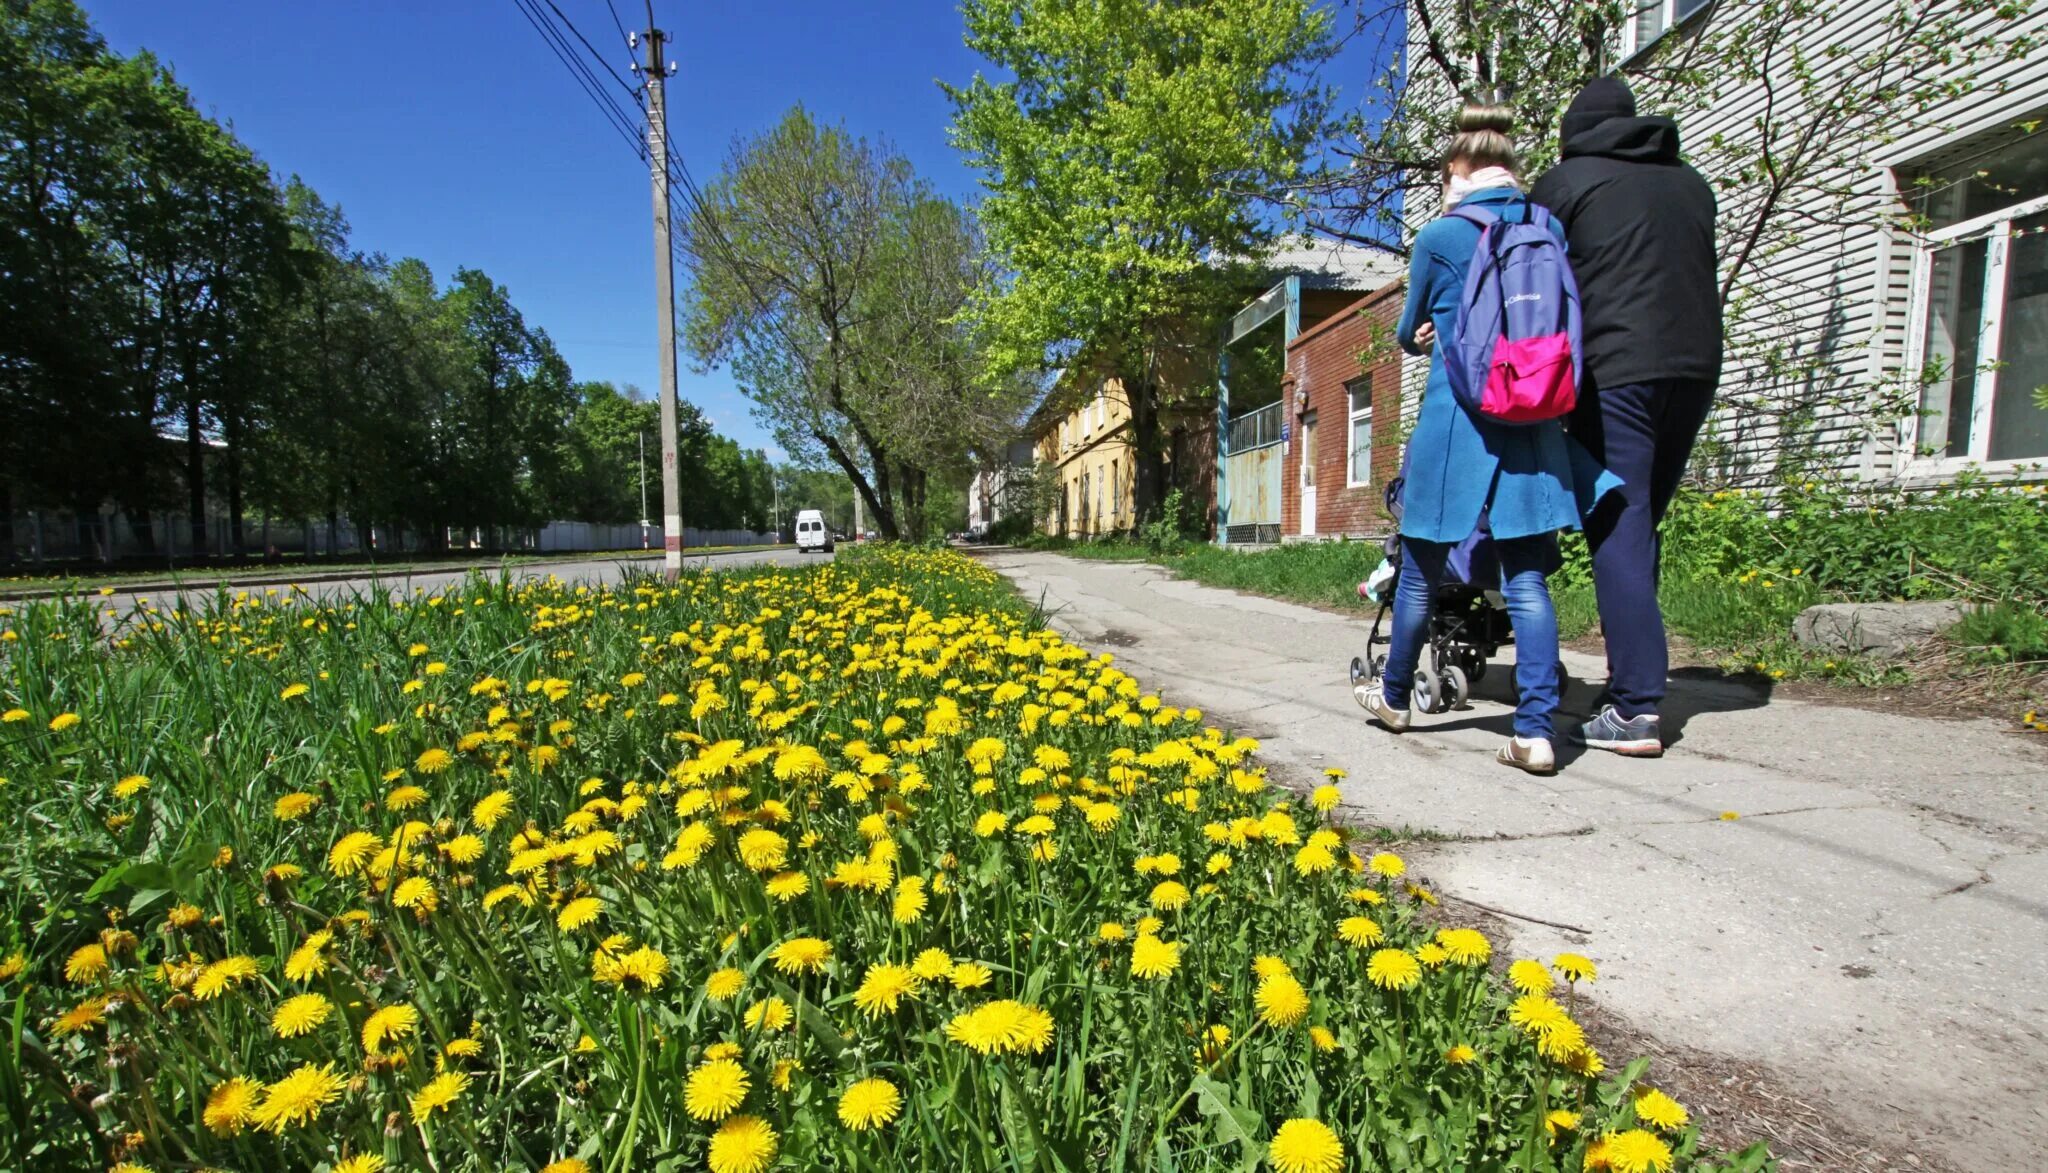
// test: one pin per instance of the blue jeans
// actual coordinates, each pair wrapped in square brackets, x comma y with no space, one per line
[1643,433]
[1524,562]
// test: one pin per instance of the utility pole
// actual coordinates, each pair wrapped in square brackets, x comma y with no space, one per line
[860,524]
[643,490]
[655,71]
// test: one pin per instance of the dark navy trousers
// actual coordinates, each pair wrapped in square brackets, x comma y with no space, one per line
[1643,433]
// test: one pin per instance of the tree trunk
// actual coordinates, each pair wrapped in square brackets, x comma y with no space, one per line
[195,461]
[232,432]
[875,495]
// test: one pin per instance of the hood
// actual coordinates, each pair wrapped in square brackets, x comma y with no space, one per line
[1647,139]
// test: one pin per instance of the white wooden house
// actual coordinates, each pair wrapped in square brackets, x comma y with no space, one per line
[1891,320]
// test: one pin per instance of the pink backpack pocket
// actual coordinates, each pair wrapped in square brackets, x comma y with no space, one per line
[1530,380]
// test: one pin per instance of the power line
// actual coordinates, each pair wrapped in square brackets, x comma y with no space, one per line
[581,73]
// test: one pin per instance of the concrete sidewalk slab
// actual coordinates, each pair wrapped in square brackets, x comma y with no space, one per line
[1872,925]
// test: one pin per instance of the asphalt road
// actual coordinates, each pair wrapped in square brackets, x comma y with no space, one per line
[582,570]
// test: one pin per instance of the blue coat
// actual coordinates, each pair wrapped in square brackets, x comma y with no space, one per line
[1530,479]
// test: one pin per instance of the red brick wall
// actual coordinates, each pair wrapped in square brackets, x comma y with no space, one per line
[1319,363]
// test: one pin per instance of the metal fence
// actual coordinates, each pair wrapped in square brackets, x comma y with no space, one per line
[1255,429]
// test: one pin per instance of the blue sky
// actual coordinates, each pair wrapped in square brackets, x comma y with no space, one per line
[446,130]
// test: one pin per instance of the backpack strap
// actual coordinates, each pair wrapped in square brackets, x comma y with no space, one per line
[1473,213]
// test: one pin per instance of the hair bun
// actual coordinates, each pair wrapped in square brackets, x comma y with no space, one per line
[1476,117]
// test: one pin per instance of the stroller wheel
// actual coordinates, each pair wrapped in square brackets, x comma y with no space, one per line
[1456,690]
[1474,665]
[1358,673]
[1426,693]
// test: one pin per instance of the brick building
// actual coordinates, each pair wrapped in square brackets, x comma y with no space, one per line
[1343,421]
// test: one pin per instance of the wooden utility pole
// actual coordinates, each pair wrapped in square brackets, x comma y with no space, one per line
[655,71]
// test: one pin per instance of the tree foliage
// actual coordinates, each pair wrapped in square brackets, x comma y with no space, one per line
[1793,172]
[1124,147]
[179,331]
[831,280]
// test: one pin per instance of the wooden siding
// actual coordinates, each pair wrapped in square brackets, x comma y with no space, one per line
[1838,299]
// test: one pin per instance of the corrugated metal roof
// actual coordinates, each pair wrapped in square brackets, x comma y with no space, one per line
[1330,264]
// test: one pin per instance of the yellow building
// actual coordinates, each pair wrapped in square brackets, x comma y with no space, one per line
[1090,447]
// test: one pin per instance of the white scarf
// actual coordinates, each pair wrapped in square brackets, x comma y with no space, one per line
[1480,180]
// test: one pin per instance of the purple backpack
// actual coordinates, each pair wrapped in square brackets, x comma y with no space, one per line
[1514,357]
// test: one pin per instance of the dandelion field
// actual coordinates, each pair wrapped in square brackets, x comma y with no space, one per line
[850,867]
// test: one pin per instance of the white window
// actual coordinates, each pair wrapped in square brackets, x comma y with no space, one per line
[1979,314]
[1360,462]
[1652,19]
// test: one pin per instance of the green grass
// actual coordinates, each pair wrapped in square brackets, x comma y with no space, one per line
[1324,574]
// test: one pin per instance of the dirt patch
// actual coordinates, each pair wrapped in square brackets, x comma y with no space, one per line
[1116,638]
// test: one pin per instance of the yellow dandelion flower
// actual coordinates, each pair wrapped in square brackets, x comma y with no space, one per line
[1393,969]
[298,1097]
[800,955]
[1465,946]
[1153,959]
[299,1014]
[491,808]
[86,963]
[433,761]
[1529,977]
[714,1089]
[388,1024]
[1659,1110]
[1281,1000]
[724,985]
[743,1144]
[883,987]
[1359,931]
[230,1105]
[1305,1145]
[870,1103]
[579,912]
[439,1092]
[131,786]
[1575,968]
[223,975]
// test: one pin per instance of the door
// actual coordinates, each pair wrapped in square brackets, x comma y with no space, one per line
[1308,473]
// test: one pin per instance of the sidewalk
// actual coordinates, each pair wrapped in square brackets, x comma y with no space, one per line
[1872,927]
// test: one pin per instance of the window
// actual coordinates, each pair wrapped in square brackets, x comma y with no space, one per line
[1360,464]
[1654,18]
[1980,304]
[1116,493]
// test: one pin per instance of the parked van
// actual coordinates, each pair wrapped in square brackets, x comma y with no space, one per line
[811,533]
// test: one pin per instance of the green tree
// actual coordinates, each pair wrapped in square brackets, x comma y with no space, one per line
[1124,154]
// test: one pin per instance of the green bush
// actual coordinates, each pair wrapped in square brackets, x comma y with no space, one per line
[1972,540]
[2004,632]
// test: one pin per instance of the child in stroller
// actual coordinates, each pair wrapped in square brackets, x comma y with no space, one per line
[1468,620]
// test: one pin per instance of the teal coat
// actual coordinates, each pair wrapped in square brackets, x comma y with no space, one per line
[1529,479]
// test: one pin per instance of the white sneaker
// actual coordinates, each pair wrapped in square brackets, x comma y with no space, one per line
[1534,756]
[1373,700]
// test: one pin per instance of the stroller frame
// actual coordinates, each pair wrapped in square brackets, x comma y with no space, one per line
[1467,625]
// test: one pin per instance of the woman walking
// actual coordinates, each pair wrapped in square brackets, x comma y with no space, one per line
[1522,482]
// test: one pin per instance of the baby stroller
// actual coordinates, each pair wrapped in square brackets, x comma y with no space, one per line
[1468,619]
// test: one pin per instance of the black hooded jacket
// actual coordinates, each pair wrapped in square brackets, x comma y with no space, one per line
[1640,227]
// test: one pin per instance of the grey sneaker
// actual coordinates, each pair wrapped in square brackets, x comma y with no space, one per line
[1370,697]
[1533,756]
[1633,737]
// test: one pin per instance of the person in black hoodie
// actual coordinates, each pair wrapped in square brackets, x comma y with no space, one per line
[1640,223]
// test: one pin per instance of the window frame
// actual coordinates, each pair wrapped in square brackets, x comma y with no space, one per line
[1996,229]
[1669,21]
[1352,416]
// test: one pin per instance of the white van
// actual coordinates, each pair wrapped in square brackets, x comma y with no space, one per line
[811,533]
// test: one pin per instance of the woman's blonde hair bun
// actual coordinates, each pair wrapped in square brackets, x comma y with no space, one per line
[1484,138]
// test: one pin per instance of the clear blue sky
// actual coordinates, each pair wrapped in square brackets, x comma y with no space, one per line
[447,130]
